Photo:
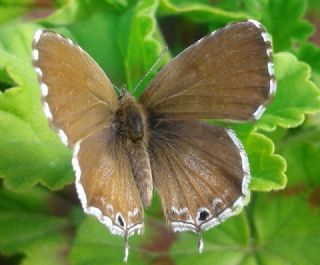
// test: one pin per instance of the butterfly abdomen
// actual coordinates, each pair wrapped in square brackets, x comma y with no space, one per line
[131,124]
[135,124]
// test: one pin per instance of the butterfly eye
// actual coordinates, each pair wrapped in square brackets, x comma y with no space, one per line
[122,94]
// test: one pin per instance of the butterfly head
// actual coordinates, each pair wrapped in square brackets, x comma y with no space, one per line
[122,93]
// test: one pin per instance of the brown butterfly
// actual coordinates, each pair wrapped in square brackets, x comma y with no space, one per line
[123,147]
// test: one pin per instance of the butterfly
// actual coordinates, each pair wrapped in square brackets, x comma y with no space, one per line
[125,148]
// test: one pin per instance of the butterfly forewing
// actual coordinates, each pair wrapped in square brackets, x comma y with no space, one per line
[226,75]
[105,182]
[78,97]
[200,171]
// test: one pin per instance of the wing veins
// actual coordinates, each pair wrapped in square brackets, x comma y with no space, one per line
[188,179]
[200,149]
[89,107]
[95,96]
[178,182]
[195,87]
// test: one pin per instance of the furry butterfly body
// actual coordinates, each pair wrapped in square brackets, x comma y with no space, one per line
[124,147]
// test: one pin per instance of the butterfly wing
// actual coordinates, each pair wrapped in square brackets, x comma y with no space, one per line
[80,102]
[200,171]
[105,183]
[226,75]
[78,97]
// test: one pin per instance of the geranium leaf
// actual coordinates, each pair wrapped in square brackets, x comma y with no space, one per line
[29,227]
[99,247]
[284,20]
[199,12]
[301,149]
[275,229]
[296,94]
[30,151]
[267,169]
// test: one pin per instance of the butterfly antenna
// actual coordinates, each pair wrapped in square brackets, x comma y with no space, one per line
[126,249]
[200,243]
[163,52]
[117,89]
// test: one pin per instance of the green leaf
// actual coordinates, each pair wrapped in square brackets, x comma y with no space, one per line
[198,12]
[30,151]
[276,229]
[296,94]
[99,247]
[141,34]
[301,148]
[17,38]
[287,229]
[310,53]
[313,6]
[28,226]
[225,244]
[267,169]
[284,20]
[5,81]
[254,8]
[10,10]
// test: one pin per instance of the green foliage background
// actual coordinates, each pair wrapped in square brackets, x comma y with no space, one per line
[40,217]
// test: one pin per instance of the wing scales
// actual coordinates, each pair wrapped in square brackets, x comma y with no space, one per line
[106,184]
[226,75]
[78,97]
[200,171]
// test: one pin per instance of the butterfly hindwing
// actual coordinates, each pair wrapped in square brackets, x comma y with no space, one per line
[78,97]
[105,183]
[226,75]
[200,171]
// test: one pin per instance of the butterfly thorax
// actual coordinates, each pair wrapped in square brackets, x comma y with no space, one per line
[130,119]
[131,126]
